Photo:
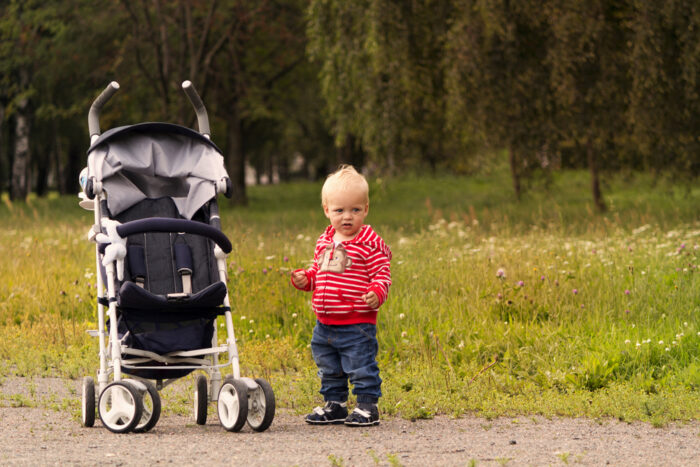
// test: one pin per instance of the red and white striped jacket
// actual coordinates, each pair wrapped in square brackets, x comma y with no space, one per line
[342,273]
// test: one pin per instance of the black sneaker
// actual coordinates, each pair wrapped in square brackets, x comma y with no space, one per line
[365,416]
[333,413]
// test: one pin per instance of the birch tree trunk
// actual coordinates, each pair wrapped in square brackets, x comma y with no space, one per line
[19,185]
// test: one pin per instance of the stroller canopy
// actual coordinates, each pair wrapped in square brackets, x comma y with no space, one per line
[154,160]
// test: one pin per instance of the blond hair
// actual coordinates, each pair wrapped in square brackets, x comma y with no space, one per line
[346,178]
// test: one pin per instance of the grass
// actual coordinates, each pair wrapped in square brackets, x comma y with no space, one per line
[497,308]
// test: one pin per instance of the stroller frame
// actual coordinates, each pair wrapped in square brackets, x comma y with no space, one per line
[133,404]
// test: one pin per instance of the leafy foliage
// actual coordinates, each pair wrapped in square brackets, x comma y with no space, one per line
[294,87]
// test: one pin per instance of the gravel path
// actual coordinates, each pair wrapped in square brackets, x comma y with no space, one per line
[46,436]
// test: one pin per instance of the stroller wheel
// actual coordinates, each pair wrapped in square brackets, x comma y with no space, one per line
[120,407]
[200,400]
[233,404]
[151,408]
[261,406]
[88,402]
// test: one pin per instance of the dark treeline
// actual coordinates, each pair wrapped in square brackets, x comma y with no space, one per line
[293,87]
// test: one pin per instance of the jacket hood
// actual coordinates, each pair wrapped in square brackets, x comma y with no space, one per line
[366,236]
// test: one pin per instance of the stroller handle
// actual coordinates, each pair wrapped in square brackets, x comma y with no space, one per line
[164,224]
[202,117]
[96,107]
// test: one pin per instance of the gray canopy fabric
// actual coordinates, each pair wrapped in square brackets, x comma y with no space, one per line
[137,165]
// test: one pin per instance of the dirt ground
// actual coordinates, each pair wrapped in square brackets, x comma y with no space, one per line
[48,435]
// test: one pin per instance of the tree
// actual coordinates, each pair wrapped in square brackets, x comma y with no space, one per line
[50,63]
[665,97]
[498,79]
[590,78]
[19,35]
[382,77]
[237,54]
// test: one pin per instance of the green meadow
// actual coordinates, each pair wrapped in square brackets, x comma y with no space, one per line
[538,307]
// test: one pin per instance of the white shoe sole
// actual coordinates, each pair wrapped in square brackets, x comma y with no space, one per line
[339,421]
[376,422]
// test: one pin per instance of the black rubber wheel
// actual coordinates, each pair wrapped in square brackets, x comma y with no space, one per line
[200,400]
[261,406]
[151,408]
[88,402]
[233,404]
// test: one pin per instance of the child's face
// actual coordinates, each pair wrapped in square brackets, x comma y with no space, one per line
[346,211]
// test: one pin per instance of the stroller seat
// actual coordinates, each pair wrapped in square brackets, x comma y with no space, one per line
[167,264]
[170,294]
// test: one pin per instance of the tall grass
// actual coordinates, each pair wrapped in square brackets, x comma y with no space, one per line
[497,307]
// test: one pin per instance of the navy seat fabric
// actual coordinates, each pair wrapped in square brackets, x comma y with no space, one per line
[159,249]
[136,298]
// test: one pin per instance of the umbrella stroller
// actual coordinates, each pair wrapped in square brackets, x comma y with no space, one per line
[161,275]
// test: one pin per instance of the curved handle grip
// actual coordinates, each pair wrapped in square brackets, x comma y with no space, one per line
[164,224]
[202,117]
[96,107]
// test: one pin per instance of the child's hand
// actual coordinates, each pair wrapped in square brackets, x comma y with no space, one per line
[300,280]
[371,299]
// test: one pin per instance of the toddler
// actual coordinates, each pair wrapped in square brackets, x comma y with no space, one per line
[350,280]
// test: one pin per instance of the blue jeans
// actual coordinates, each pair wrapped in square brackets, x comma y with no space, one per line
[347,352]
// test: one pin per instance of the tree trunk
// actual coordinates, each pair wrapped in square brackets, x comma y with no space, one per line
[283,168]
[258,175]
[515,172]
[351,153]
[57,156]
[41,186]
[42,157]
[3,178]
[72,164]
[595,181]
[270,168]
[20,165]
[235,158]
